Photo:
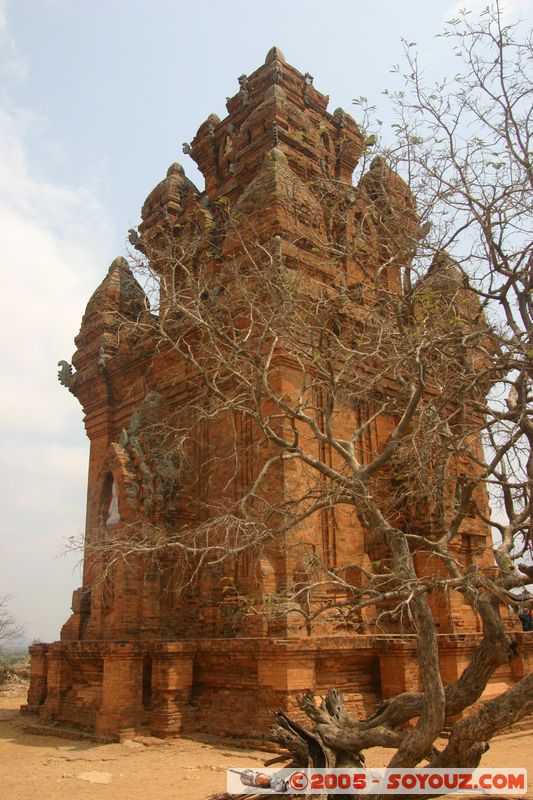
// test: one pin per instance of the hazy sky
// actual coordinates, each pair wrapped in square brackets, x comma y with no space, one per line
[96,99]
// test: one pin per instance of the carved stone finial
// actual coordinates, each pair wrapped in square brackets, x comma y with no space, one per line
[441,260]
[378,163]
[133,236]
[118,263]
[175,169]
[308,81]
[339,115]
[243,91]
[65,373]
[212,121]
[275,54]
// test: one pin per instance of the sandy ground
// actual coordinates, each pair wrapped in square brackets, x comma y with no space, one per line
[50,768]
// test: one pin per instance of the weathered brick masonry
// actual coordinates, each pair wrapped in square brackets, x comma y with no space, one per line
[131,657]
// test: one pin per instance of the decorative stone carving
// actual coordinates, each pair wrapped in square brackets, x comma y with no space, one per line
[133,236]
[65,373]
[243,92]
[308,81]
[339,115]
[113,517]
[144,467]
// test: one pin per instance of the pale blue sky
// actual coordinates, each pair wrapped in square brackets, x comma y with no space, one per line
[118,85]
[96,99]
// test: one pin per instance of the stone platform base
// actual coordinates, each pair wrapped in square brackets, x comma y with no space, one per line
[227,687]
[37,728]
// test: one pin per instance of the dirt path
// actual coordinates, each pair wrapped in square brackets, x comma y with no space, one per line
[50,768]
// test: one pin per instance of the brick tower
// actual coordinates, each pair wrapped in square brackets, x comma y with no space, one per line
[131,656]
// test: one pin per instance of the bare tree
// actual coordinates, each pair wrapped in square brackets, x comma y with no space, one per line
[10,630]
[393,393]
